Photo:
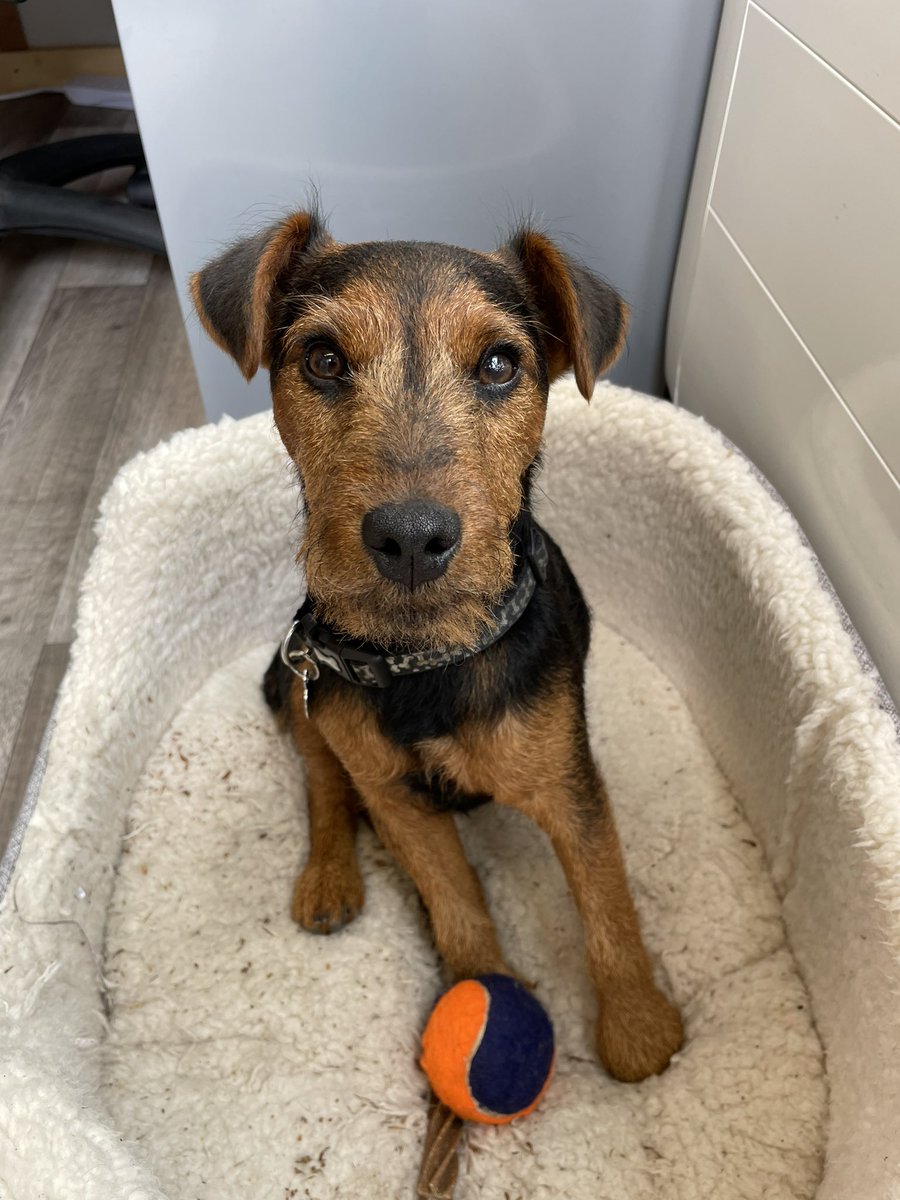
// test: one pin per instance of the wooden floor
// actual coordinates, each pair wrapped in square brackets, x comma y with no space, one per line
[94,366]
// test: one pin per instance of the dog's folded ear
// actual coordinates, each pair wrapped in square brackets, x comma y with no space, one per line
[583,319]
[236,294]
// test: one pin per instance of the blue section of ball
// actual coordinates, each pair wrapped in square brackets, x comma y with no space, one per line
[512,1063]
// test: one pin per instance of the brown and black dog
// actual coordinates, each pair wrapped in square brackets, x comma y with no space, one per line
[410,385]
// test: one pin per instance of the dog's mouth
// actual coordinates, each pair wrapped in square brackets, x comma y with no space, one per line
[403,611]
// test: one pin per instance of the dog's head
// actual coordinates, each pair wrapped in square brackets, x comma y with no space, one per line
[409,383]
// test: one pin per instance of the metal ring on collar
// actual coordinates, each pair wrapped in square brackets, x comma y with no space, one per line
[310,668]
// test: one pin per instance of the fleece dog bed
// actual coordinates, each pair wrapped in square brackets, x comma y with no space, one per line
[165,1031]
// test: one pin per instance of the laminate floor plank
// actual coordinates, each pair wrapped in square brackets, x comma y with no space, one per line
[45,681]
[30,270]
[92,265]
[51,434]
[158,396]
[18,661]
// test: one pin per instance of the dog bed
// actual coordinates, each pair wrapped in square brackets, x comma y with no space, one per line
[165,1031]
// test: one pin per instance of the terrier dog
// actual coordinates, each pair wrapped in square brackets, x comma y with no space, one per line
[438,661]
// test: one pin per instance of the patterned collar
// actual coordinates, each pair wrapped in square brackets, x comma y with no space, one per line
[310,643]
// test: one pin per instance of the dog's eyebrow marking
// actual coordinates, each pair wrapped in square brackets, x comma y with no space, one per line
[361,319]
[465,322]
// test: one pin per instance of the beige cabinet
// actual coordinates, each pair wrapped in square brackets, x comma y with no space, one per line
[784,328]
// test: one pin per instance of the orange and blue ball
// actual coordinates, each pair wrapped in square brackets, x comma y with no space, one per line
[488,1049]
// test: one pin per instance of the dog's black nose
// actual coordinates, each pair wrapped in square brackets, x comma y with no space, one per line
[411,542]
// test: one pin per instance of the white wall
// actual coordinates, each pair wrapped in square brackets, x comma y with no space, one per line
[425,120]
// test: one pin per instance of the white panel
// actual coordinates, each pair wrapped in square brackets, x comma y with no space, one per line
[717,97]
[744,370]
[860,38]
[808,184]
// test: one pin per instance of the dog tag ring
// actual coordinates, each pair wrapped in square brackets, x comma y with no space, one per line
[301,662]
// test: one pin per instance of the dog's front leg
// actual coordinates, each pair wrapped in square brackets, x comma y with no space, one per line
[638,1029]
[427,845]
[539,761]
[329,892]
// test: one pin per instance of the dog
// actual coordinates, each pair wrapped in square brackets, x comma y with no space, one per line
[438,660]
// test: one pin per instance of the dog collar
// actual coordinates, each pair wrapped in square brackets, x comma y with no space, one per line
[310,644]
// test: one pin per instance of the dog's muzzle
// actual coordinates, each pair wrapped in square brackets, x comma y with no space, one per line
[311,643]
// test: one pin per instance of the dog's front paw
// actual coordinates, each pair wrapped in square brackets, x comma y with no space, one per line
[327,897]
[638,1031]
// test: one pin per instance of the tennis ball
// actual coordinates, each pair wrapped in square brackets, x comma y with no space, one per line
[488,1049]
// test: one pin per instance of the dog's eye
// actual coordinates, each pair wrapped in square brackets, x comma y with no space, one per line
[324,362]
[496,368]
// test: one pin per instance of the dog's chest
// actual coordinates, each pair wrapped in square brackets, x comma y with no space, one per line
[441,761]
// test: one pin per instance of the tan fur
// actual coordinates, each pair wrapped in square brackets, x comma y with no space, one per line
[545,261]
[374,447]
[290,238]
[329,892]
[426,844]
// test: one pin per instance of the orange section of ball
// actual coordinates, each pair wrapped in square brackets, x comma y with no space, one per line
[451,1037]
